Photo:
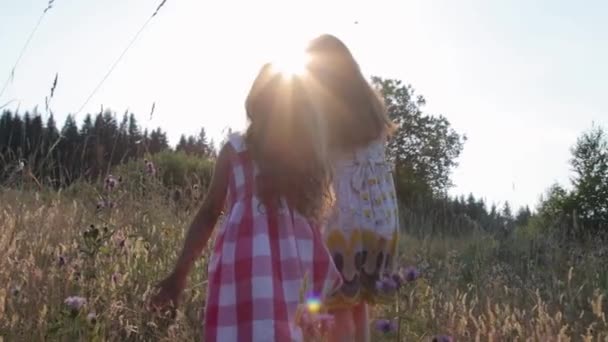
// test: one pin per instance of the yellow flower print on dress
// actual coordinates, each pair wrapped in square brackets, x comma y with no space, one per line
[367,213]
[372,181]
[365,196]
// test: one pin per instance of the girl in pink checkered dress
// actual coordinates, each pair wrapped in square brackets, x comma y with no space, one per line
[273,183]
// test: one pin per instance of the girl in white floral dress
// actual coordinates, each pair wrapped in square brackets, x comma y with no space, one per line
[362,231]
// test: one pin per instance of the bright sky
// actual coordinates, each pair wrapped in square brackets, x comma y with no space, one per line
[522,79]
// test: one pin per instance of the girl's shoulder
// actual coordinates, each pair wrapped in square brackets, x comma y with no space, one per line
[374,151]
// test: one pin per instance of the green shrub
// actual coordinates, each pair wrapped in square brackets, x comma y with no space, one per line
[172,169]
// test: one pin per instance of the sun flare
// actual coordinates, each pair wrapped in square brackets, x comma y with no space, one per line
[291,63]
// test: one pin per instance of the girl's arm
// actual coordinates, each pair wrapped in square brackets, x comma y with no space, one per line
[199,232]
[207,216]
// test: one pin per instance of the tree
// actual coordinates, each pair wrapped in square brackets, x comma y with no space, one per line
[27,134]
[5,130]
[35,133]
[71,147]
[158,141]
[202,145]
[16,136]
[424,147]
[523,216]
[134,137]
[183,144]
[52,134]
[590,165]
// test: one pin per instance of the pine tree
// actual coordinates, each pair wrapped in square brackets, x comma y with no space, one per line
[182,145]
[71,147]
[27,135]
[202,145]
[5,130]
[134,137]
[16,137]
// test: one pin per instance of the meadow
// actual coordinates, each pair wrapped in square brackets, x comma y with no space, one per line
[79,264]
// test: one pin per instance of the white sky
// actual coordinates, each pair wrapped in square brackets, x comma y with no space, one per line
[522,79]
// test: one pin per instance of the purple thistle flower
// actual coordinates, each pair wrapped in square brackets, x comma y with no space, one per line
[150,169]
[386,326]
[387,285]
[443,338]
[411,273]
[75,303]
[110,183]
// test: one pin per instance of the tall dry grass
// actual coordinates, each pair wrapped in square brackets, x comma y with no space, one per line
[110,246]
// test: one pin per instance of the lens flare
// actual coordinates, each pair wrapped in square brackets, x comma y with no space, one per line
[313,305]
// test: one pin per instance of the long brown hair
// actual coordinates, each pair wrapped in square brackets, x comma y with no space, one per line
[287,141]
[355,112]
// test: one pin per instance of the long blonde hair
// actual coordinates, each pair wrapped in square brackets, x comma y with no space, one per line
[287,141]
[356,113]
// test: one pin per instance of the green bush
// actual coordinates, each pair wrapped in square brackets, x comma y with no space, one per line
[172,169]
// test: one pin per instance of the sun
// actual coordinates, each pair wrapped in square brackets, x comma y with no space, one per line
[291,62]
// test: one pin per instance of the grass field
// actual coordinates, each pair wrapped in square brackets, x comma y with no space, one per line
[111,248]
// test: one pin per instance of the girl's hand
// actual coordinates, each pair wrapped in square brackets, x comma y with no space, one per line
[169,292]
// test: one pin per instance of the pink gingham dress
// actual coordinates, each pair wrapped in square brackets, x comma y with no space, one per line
[260,259]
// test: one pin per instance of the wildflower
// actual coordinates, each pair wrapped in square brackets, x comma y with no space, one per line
[92,318]
[150,169]
[443,338]
[105,203]
[387,285]
[75,303]
[411,273]
[386,326]
[110,183]
[116,278]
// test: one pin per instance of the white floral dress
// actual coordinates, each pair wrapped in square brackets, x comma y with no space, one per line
[362,231]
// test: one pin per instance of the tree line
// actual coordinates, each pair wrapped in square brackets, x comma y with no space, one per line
[424,149]
[58,156]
